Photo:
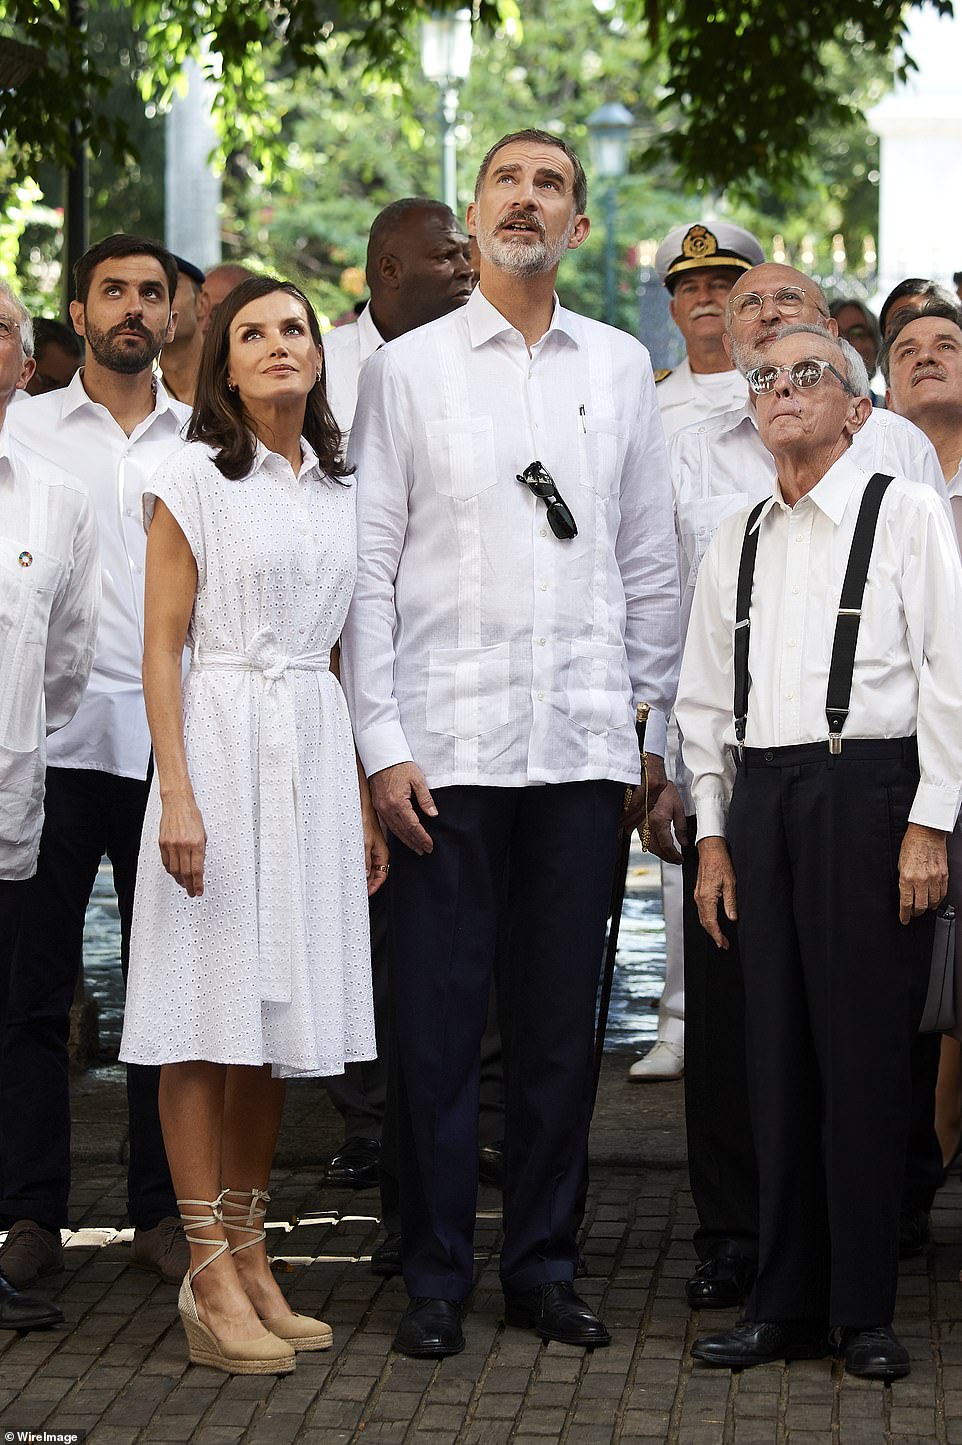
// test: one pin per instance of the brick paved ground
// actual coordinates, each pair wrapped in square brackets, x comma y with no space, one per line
[118,1369]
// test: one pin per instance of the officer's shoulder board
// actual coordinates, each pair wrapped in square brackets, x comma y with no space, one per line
[661,375]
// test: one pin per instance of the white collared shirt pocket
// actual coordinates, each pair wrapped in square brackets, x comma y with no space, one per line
[468,690]
[28,585]
[461,455]
[604,440]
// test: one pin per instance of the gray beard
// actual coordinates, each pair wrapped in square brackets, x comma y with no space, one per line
[522,258]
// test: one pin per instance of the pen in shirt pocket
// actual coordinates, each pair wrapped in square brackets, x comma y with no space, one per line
[581,417]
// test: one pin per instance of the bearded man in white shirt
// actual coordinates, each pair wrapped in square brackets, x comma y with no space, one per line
[823,807]
[49,606]
[516,596]
[717,467]
[114,424]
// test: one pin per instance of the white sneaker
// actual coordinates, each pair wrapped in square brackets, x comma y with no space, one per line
[665,1061]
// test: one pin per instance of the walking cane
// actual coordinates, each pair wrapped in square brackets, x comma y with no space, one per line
[618,897]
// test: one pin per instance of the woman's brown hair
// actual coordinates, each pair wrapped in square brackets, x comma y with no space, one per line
[218,416]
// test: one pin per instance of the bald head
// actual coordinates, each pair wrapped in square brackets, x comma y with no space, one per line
[801,301]
[418,267]
[219,282]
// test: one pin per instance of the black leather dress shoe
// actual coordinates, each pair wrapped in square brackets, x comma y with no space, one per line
[25,1312]
[430,1329]
[874,1354]
[915,1235]
[355,1165]
[722,1282]
[386,1259]
[491,1163]
[754,1342]
[556,1312]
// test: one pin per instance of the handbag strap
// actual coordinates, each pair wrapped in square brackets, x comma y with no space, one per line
[841,672]
[743,626]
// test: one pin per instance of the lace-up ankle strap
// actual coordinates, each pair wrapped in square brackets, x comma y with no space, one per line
[245,1214]
[192,1222]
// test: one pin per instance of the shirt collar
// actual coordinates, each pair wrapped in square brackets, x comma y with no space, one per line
[831,495]
[485,321]
[368,336]
[6,455]
[75,396]
[955,485]
[263,457]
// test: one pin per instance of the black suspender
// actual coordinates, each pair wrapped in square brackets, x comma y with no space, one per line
[839,690]
[743,626]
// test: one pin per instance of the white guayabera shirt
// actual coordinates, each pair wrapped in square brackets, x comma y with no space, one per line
[478,643]
[908,665]
[346,349]
[109,733]
[49,606]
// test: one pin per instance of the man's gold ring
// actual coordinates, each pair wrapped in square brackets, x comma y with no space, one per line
[381,867]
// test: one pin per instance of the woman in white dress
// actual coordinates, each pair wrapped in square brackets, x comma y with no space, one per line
[250,959]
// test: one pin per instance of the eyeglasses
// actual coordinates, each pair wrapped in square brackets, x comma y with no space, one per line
[540,481]
[802,375]
[788,302]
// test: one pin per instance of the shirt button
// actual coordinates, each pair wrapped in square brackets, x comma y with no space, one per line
[541,697]
[544,586]
[542,641]
[799,538]
[543,532]
[792,643]
[789,696]
[795,591]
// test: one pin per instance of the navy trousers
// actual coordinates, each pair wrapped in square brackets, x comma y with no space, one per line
[87,814]
[444,920]
[834,987]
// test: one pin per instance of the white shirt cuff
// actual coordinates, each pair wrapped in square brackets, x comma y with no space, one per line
[712,817]
[935,807]
[383,746]
[656,733]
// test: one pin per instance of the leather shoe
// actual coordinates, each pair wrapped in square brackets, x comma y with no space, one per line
[722,1282]
[874,1354]
[915,1236]
[30,1252]
[21,1312]
[355,1165]
[491,1163]
[386,1259]
[756,1342]
[430,1329]
[162,1250]
[556,1312]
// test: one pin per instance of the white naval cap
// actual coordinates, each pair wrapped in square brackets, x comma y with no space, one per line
[694,247]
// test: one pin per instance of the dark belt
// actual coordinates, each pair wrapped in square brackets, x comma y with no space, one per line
[870,748]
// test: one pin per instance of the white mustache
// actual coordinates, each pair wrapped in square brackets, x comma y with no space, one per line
[932,369]
[706,311]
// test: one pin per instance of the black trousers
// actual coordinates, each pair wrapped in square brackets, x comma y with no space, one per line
[88,814]
[834,987]
[13,894]
[721,1151]
[444,922]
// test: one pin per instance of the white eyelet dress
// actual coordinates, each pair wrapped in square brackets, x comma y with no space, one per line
[272,963]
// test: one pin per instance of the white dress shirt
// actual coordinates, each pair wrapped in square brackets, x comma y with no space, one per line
[720,466]
[109,731]
[49,605]
[477,643]
[683,399]
[346,349]
[908,664]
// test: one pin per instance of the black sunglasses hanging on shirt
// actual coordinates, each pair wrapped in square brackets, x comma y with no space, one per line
[540,481]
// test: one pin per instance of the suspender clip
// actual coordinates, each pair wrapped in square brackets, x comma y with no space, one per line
[835,744]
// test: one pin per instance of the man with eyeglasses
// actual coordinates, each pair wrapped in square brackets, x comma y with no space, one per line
[823,798]
[717,468]
[516,598]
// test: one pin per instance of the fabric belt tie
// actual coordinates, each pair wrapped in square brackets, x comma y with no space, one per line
[279,859]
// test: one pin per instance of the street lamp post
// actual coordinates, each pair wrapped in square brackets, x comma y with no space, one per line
[609,128]
[446,44]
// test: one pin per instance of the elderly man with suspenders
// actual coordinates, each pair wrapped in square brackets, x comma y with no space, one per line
[823,798]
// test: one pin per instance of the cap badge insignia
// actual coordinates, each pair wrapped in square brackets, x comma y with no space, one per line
[25,559]
[698,243]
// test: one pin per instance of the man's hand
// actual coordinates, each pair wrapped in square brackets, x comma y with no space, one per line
[664,809]
[391,792]
[923,871]
[716,882]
